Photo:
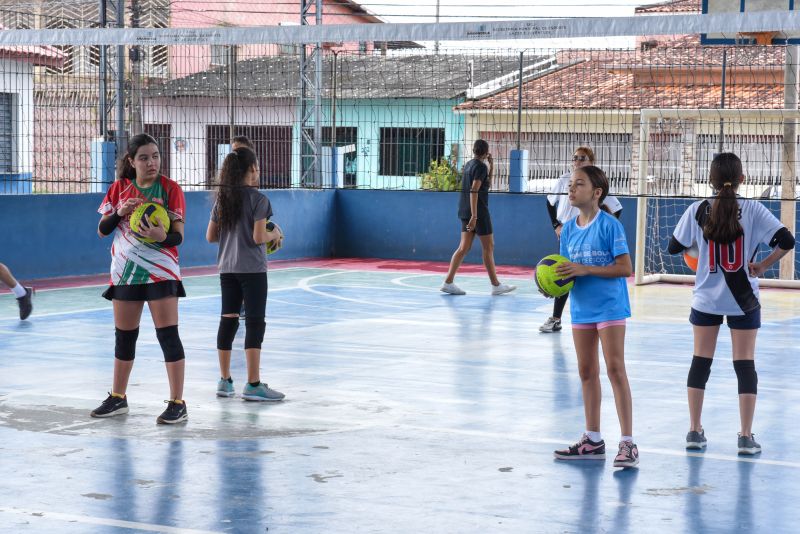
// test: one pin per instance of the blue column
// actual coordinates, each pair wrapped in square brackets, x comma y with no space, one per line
[104,155]
[518,171]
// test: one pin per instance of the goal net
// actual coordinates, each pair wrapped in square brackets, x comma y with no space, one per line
[674,152]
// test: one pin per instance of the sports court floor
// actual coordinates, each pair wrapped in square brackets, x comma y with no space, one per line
[407,411]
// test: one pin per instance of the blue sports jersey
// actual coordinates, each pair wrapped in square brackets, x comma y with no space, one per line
[594,299]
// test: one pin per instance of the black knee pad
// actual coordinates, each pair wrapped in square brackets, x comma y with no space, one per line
[699,372]
[170,343]
[254,333]
[125,344]
[746,375]
[227,331]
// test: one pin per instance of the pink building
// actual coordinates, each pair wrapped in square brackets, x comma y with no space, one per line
[208,14]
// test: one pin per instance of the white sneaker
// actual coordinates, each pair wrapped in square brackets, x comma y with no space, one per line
[452,289]
[502,289]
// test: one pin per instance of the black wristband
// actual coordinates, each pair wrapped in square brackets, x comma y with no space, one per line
[173,239]
[108,224]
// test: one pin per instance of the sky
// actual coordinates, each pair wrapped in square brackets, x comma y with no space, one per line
[476,10]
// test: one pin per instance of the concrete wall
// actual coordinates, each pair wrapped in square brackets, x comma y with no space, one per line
[56,235]
[425,226]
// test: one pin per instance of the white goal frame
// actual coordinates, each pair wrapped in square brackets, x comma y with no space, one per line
[787,118]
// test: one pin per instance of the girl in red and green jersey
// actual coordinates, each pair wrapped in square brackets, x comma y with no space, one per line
[144,272]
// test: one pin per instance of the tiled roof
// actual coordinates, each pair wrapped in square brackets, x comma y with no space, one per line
[662,77]
[673,6]
[414,76]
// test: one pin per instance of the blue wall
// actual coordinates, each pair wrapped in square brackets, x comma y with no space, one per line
[425,226]
[56,235]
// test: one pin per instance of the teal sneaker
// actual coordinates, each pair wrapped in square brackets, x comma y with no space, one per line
[261,392]
[225,388]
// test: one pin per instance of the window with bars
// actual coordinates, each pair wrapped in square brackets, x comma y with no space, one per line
[550,155]
[273,146]
[409,151]
[220,55]
[6,133]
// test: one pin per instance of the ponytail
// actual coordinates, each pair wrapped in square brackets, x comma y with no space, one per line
[722,224]
[231,181]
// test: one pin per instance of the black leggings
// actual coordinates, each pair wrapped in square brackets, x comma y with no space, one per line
[250,287]
[558,305]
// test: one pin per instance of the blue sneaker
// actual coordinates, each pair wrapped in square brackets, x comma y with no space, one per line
[225,388]
[261,392]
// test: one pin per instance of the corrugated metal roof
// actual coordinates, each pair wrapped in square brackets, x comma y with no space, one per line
[359,76]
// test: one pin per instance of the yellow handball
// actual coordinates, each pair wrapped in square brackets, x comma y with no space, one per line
[275,245]
[156,216]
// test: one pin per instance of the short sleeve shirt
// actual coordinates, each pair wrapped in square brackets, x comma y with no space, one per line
[565,211]
[132,261]
[238,252]
[723,285]
[475,169]
[594,299]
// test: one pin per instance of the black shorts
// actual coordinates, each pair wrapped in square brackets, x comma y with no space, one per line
[250,287]
[482,227]
[749,321]
[146,292]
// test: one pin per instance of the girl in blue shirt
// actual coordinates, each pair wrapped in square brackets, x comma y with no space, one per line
[596,246]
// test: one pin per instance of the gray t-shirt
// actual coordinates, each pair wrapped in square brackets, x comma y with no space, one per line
[238,253]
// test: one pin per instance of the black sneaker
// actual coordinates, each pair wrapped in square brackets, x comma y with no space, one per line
[175,413]
[25,304]
[111,406]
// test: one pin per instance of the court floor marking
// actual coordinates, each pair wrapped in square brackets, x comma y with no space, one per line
[102,521]
[110,307]
[305,285]
[105,284]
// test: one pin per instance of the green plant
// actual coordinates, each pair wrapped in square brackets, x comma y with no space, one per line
[441,176]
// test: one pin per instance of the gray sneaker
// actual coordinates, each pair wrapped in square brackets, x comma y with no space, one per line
[696,440]
[261,393]
[225,388]
[748,445]
[551,325]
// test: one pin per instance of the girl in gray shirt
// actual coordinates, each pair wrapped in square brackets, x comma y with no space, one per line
[239,224]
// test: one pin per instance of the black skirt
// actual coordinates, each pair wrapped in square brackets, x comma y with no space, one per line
[146,292]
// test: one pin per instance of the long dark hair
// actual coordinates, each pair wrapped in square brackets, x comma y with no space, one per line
[124,167]
[599,181]
[722,224]
[231,181]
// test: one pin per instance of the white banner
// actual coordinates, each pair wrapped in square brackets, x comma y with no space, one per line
[727,24]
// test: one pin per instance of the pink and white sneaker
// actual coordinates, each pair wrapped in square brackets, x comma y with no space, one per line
[628,455]
[585,449]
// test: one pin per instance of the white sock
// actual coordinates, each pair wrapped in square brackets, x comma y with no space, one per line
[594,436]
[19,291]
[626,438]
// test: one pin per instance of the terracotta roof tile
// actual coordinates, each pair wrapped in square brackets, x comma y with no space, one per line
[663,77]
[673,6]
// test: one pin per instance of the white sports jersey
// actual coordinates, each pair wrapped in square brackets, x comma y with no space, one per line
[723,285]
[565,211]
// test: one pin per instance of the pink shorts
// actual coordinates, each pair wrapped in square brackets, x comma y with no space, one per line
[598,326]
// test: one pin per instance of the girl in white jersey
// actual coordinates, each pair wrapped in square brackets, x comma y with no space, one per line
[727,232]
